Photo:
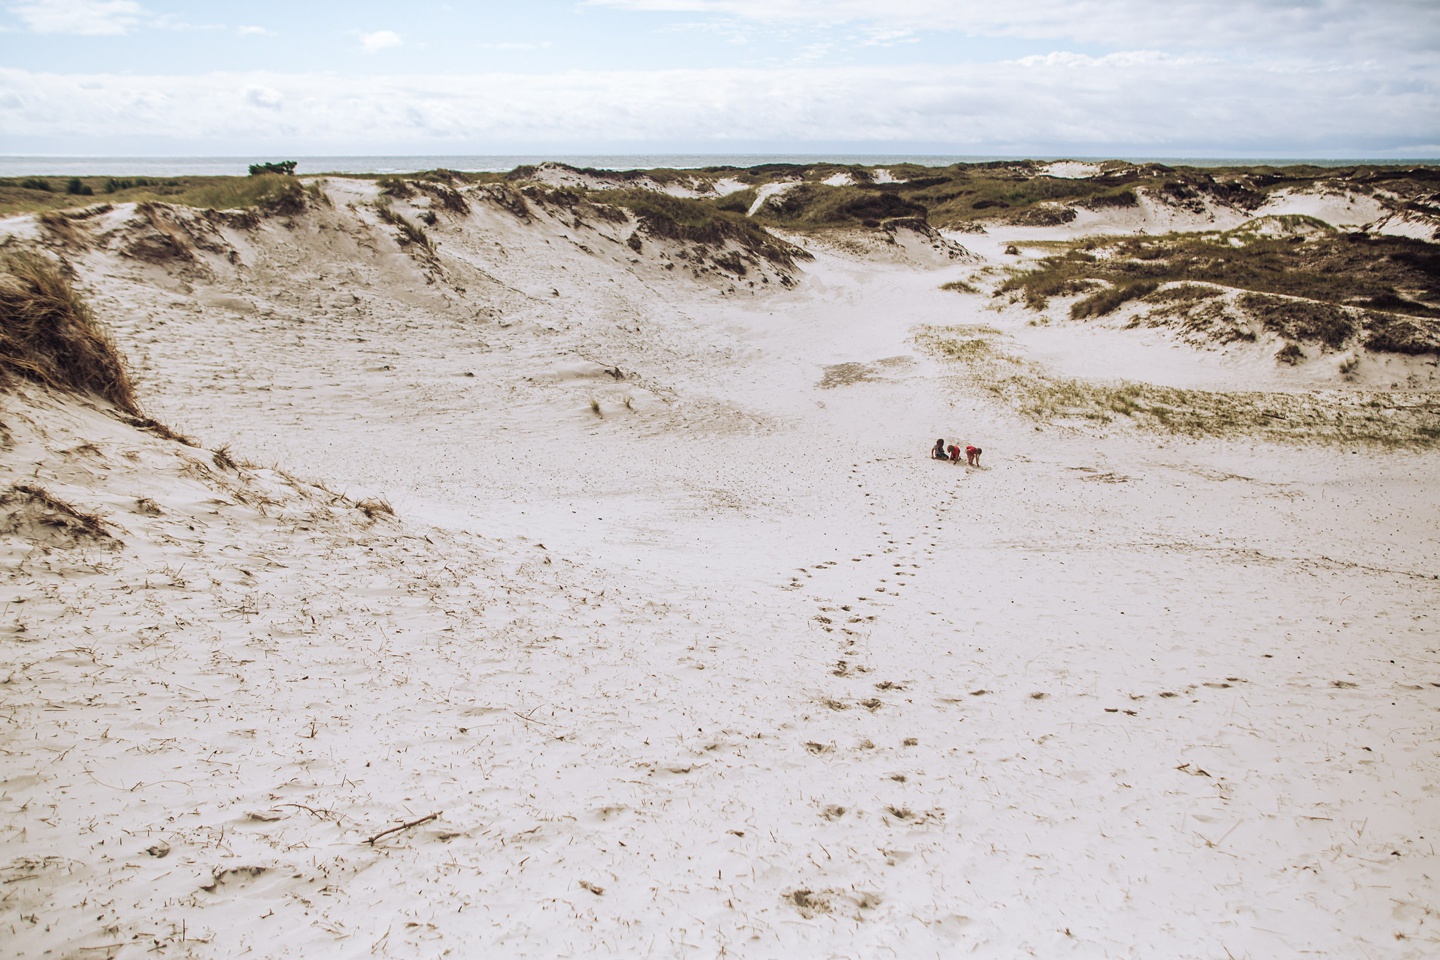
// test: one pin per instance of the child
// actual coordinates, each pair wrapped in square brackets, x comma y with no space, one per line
[972,455]
[954,453]
[939,452]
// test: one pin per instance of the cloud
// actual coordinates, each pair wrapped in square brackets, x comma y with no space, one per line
[249,31]
[265,97]
[1333,24]
[380,40]
[89,17]
[1139,103]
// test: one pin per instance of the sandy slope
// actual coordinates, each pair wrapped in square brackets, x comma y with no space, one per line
[732,670]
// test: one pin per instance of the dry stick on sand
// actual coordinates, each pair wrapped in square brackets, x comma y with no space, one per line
[403,826]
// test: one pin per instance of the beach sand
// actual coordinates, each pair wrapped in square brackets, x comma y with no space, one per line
[685,644]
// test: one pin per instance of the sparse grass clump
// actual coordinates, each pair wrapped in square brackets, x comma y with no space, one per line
[31,511]
[375,507]
[1301,320]
[395,187]
[49,335]
[447,197]
[960,286]
[821,205]
[1391,334]
[1107,301]
[409,233]
[701,222]
[160,430]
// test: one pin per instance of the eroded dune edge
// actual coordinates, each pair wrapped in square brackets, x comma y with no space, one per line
[550,565]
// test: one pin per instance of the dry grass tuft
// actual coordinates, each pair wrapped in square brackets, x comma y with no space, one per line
[809,902]
[375,507]
[48,334]
[61,228]
[161,430]
[409,233]
[223,460]
[34,513]
[960,286]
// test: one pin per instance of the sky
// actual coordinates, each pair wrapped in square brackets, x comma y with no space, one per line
[1083,78]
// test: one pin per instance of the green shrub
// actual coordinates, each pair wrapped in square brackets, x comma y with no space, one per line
[283,167]
[35,183]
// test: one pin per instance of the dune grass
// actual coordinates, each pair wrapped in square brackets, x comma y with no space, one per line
[704,222]
[1296,278]
[1386,419]
[410,235]
[268,190]
[1398,273]
[48,334]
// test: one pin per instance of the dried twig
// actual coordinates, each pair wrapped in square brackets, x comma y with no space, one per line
[403,826]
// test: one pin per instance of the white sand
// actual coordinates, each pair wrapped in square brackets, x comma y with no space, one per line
[660,669]
[1071,169]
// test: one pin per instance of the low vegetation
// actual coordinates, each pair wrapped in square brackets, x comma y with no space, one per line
[1021,192]
[409,234]
[702,222]
[38,515]
[48,334]
[1391,419]
[1296,278]
[263,191]
[285,168]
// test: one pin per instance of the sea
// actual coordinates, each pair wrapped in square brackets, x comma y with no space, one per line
[26,166]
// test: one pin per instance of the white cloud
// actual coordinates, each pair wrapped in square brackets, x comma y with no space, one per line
[1335,24]
[881,37]
[1066,104]
[380,40]
[267,97]
[92,17]
[251,31]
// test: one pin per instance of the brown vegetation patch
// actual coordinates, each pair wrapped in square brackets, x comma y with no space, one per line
[375,507]
[1297,278]
[447,197]
[809,902]
[161,430]
[48,334]
[701,222]
[32,513]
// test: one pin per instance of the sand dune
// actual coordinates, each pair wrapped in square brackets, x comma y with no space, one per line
[674,629]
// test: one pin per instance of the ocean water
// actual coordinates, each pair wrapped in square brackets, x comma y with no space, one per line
[22,166]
